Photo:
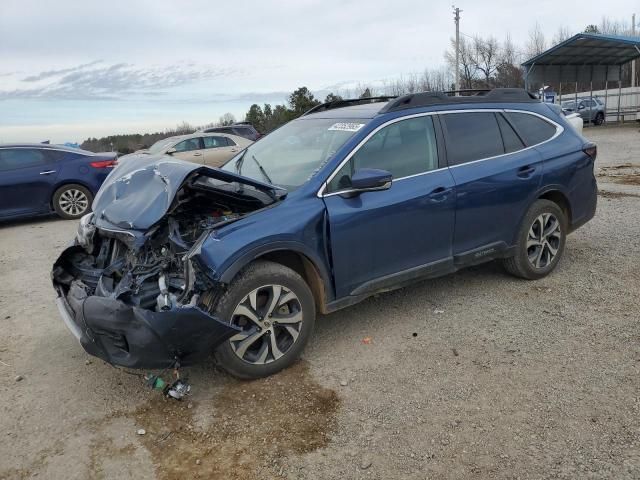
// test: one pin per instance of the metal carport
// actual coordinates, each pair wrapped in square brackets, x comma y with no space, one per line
[583,58]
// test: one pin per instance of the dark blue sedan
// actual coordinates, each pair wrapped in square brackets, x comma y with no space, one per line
[40,178]
[353,198]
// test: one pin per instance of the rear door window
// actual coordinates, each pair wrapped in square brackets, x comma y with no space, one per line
[471,136]
[215,142]
[531,128]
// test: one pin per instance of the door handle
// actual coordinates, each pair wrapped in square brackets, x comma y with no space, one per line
[234,150]
[48,172]
[439,194]
[197,154]
[526,171]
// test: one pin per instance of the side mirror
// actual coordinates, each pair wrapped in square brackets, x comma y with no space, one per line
[171,151]
[581,107]
[370,180]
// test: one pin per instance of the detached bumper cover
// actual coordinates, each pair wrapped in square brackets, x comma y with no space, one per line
[134,337]
[137,338]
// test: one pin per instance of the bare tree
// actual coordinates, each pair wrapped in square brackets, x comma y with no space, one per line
[467,62]
[561,35]
[184,128]
[536,44]
[508,71]
[486,57]
[227,119]
[613,27]
[509,53]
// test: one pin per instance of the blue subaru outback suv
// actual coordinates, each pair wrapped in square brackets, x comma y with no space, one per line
[353,198]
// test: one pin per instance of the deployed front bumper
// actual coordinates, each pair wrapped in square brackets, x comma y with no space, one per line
[134,337]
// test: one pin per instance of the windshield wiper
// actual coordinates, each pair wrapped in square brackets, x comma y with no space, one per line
[239,163]
[262,170]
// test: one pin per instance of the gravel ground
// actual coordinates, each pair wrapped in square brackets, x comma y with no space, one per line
[475,375]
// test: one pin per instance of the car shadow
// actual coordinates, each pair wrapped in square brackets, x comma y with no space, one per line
[422,292]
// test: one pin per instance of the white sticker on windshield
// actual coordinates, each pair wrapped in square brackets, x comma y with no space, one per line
[346,127]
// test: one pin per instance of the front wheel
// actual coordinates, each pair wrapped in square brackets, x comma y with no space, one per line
[275,310]
[541,241]
[599,120]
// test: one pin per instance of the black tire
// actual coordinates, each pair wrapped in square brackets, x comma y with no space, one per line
[72,201]
[521,264]
[599,120]
[258,276]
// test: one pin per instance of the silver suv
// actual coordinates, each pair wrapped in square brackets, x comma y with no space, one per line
[590,109]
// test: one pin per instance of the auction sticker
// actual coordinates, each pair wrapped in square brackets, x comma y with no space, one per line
[346,127]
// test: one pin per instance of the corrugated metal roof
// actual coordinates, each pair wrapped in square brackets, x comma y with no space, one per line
[590,49]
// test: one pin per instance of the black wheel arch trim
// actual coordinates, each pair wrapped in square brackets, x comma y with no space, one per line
[539,194]
[281,246]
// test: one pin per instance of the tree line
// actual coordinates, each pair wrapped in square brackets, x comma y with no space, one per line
[129,143]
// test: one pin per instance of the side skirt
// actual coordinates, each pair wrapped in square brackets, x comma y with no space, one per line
[407,277]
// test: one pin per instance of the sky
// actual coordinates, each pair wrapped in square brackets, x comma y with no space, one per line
[73,69]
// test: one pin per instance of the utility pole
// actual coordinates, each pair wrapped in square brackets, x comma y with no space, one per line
[456,17]
[633,63]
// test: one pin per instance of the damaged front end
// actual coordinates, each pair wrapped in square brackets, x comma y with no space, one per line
[131,287]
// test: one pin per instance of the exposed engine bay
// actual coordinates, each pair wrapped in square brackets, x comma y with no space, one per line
[158,275]
[132,277]
[153,269]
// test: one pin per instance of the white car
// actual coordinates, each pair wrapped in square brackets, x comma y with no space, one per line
[576,121]
[211,149]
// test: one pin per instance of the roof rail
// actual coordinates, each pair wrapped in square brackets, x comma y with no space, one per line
[425,99]
[346,103]
[470,91]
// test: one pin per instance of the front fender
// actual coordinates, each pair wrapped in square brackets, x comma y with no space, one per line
[223,254]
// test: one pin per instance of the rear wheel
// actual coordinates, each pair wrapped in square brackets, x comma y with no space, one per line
[599,120]
[541,241]
[72,201]
[275,310]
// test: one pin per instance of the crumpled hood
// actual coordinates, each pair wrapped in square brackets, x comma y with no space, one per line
[140,190]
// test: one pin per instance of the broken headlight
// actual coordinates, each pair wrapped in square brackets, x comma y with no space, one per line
[86,230]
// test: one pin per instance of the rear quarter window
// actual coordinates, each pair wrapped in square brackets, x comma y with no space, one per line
[58,155]
[532,129]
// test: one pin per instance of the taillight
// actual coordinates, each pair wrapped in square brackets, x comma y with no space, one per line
[104,164]
[591,149]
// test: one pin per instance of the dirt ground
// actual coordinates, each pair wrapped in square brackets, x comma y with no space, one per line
[474,375]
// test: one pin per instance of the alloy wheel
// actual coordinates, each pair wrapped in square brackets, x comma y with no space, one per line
[270,318]
[544,240]
[73,202]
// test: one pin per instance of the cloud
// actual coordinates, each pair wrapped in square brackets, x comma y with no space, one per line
[55,73]
[99,81]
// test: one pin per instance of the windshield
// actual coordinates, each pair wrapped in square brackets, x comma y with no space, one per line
[289,156]
[160,145]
